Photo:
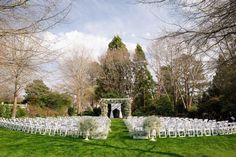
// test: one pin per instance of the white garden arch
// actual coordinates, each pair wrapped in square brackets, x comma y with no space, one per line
[116,104]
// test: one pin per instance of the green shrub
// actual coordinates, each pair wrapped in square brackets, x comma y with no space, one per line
[88,113]
[164,106]
[97,111]
[127,109]
[20,112]
[138,112]
[5,111]
[2,110]
[36,92]
[56,100]
[71,111]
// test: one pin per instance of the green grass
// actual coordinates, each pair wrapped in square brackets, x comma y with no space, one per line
[118,144]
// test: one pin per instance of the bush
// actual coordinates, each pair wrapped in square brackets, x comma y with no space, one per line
[56,100]
[164,106]
[97,111]
[37,111]
[88,113]
[138,112]
[20,112]
[2,110]
[5,111]
[71,111]
[38,94]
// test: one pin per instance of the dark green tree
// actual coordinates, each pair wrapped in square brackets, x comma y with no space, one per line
[117,44]
[115,73]
[224,80]
[36,93]
[57,100]
[144,85]
[222,92]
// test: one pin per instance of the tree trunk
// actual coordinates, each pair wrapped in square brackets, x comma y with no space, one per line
[14,105]
[15,98]
[78,102]
[144,105]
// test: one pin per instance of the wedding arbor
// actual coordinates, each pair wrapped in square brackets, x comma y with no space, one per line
[116,107]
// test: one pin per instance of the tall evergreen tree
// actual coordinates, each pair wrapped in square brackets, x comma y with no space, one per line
[144,84]
[220,100]
[115,73]
[117,44]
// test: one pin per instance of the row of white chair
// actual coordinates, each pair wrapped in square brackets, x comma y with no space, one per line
[62,126]
[181,127]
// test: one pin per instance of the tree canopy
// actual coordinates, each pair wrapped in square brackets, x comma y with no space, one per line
[144,85]
[115,75]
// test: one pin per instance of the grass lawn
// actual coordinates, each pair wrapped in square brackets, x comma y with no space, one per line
[118,144]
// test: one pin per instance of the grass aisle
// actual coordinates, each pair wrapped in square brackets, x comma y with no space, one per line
[118,144]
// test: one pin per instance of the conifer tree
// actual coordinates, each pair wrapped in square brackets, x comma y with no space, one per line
[115,73]
[144,84]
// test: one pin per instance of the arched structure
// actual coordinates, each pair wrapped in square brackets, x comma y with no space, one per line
[116,104]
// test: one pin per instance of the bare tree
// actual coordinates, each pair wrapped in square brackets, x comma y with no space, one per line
[31,16]
[21,60]
[207,24]
[77,80]
[180,74]
[6,93]
[22,52]
[189,78]
[162,55]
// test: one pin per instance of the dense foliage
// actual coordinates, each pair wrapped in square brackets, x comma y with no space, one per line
[115,75]
[38,94]
[144,85]
[219,102]
[164,106]
[5,111]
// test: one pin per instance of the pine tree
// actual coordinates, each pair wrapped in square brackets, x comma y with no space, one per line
[115,73]
[220,100]
[144,84]
[224,83]
[117,45]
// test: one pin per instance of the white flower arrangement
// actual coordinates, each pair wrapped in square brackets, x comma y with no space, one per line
[151,126]
[87,127]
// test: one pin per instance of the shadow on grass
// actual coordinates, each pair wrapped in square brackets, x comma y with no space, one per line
[25,144]
[141,151]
